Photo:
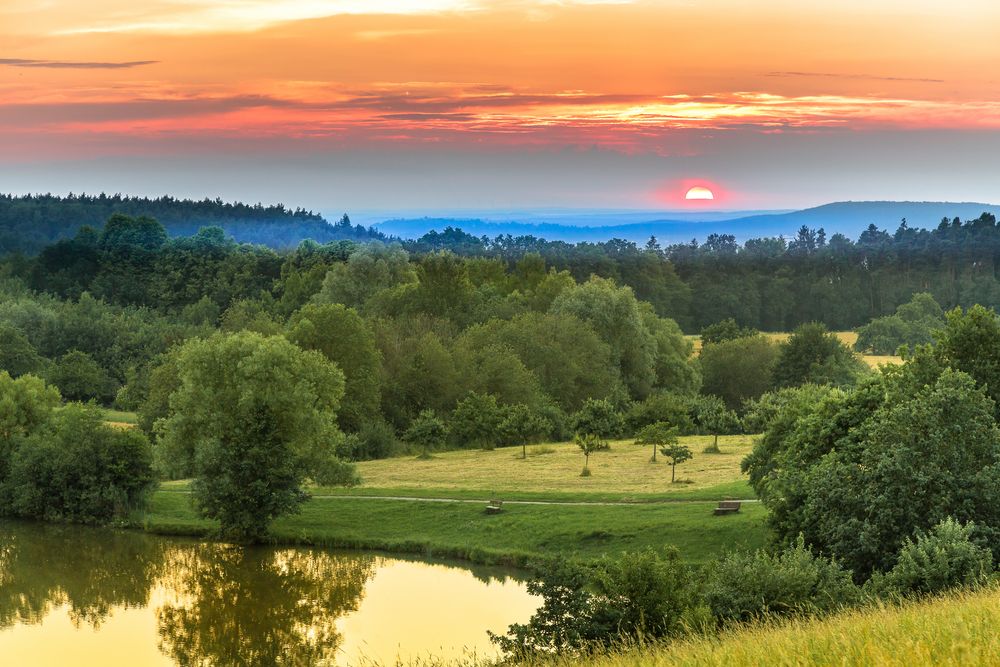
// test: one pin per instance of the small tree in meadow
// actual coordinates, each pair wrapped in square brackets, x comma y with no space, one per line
[588,444]
[676,453]
[426,432]
[521,426]
[660,434]
[712,416]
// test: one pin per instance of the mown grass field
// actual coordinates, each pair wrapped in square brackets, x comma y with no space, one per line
[642,514]
[849,338]
[552,472]
[513,537]
[958,629]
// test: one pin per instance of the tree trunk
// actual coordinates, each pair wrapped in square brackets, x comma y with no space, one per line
[654,453]
[673,471]
[715,443]
[524,450]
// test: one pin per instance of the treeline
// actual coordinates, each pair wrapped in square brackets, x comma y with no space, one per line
[31,222]
[776,284]
[445,337]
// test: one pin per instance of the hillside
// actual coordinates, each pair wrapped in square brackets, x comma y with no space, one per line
[29,223]
[957,629]
[849,218]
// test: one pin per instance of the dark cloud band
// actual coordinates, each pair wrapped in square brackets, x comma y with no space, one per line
[64,64]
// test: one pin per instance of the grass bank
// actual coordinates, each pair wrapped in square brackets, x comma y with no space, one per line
[515,536]
[957,629]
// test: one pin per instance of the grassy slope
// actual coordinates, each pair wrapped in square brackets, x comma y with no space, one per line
[959,629]
[520,532]
[623,473]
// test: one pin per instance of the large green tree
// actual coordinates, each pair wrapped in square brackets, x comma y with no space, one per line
[256,416]
[858,472]
[813,354]
[340,334]
[737,370]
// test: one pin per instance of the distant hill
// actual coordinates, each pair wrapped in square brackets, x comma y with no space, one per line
[848,218]
[29,223]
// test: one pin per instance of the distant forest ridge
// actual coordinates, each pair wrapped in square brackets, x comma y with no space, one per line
[848,218]
[28,223]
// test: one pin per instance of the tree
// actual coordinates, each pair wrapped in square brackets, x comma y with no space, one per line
[711,416]
[17,355]
[26,404]
[660,434]
[615,315]
[521,425]
[255,415]
[80,378]
[588,444]
[856,473]
[676,453]
[812,354]
[970,342]
[725,330]
[426,432]
[912,324]
[370,269]
[476,421]
[600,418]
[342,336]
[738,370]
[78,468]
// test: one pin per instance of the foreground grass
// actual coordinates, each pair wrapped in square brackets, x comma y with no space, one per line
[958,629]
[552,472]
[517,535]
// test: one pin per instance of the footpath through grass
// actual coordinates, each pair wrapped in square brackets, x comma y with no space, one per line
[513,537]
[958,629]
[655,512]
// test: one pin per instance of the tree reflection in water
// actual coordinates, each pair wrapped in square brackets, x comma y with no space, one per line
[221,604]
[91,571]
[257,606]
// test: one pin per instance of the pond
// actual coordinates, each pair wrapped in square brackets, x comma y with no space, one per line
[82,596]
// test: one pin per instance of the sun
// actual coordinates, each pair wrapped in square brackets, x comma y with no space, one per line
[699,192]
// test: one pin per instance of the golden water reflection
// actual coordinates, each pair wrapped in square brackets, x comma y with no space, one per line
[92,597]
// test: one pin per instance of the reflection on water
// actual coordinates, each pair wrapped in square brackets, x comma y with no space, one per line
[82,596]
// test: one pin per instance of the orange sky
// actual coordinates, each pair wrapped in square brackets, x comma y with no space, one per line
[677,80]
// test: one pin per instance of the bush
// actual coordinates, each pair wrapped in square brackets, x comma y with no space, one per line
[747,586]
[944,558]
[635,596]
[79,469]
[375,440]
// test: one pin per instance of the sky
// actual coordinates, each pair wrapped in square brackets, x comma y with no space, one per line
[473,104]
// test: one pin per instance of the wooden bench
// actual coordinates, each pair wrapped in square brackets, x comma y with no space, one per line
[727,507]
[494,507]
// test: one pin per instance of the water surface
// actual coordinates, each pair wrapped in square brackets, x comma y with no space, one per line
[83,596]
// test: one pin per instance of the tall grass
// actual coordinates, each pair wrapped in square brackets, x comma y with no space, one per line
[956,629]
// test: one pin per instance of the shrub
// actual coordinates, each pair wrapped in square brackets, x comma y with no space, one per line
[746,586]
[374,440]
[632,597]
[944,558]
[598,417]
[80,378]
[79,469]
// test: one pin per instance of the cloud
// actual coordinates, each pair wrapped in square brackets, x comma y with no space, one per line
[869,77]
[67,64]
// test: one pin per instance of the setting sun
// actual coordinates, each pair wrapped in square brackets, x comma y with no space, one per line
[699,192]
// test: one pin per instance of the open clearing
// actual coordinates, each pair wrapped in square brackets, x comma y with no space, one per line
[520,532]
[553,472]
